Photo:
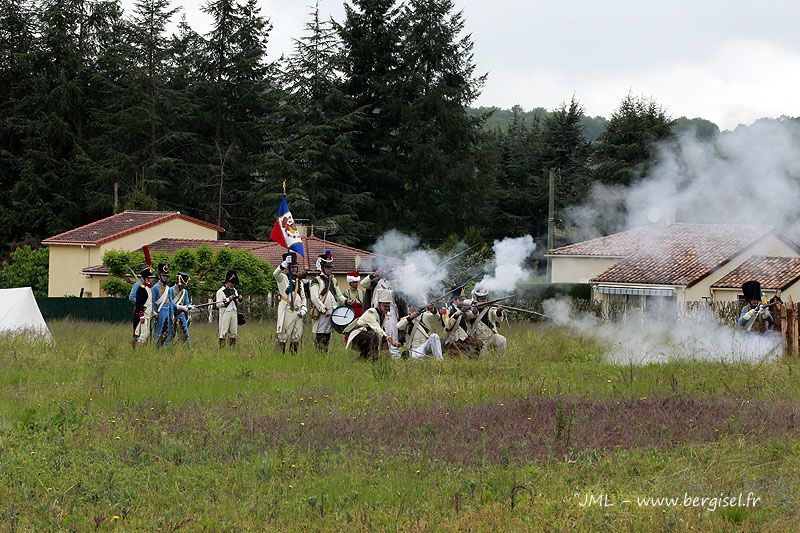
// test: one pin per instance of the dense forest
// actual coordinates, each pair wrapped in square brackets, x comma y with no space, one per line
[369,121]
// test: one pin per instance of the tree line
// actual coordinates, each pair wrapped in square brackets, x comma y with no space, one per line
[368,121]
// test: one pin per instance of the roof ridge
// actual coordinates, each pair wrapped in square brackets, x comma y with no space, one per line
[164,213]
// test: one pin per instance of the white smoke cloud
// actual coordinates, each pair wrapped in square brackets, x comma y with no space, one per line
[509,267]
[419,276]
[650,338]
[748,176]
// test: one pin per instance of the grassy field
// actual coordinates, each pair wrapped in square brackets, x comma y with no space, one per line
[94,435]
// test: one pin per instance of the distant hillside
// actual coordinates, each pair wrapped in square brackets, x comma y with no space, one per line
[593,127]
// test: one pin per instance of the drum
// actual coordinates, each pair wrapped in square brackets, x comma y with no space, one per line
[342,317]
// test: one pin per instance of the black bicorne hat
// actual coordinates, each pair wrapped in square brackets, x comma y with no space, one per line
[232,277]
[293,255]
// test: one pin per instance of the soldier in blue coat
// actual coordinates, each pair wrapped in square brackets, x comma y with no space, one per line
[162,307]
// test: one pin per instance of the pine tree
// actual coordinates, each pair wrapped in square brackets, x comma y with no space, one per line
[436,142]
[238,94]
[626,149]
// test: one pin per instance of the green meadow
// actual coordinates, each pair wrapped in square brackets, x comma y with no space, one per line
[97,436]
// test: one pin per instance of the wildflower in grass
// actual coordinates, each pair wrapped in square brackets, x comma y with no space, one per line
[49,489]
[294,466]
[291,486]
[116,438]
[609,380]
[302,423]
[418,471]
[301,399]
[482,428]
[33,453]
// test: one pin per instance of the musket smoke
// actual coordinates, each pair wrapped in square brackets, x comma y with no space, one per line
[509,267]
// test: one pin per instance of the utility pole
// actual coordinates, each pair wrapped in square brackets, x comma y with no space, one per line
[551,220]
[116,198]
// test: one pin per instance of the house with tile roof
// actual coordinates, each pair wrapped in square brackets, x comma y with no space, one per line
[76,256]
[345,258]
[77,249]
[656,264]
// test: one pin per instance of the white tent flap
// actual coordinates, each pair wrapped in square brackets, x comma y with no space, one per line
[19,313]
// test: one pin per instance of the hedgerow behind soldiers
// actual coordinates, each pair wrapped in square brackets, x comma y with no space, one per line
[182,305]
[143,308]
[292,307]
[227,298]
[325,297]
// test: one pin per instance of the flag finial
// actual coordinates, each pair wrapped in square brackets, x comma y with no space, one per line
[284,187]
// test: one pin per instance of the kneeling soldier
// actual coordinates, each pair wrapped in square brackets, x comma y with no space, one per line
[420,335]
[484,325]
[367,334]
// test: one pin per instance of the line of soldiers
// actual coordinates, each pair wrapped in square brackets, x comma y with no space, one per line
[381,318]
[161,311]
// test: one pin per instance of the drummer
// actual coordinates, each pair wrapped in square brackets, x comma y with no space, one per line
[354,294]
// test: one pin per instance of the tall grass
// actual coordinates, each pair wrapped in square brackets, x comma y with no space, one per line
[96,434]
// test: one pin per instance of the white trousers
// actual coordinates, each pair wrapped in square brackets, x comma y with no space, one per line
[390,327]
[433,346]
[496,342]
[144,331]
[228,323]
[290,325]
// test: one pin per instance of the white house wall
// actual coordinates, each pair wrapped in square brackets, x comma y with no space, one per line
[579,269]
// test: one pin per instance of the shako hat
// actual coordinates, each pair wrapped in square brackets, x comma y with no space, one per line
[384,296]
[163,268]
[293,255]
[183,278]
[353,276]
[147,272]
[232,277]
[751,290]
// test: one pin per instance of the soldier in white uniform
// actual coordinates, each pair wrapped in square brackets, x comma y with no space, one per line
[143,308]
[368,334]
[422,339]
[227,299]
[455,321]
[484,324]
[325,297]
[292,306]
[377,282]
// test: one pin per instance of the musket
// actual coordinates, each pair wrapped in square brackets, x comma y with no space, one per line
[207,304]
[484,304]
[525,311]
[448,293]
[459,254]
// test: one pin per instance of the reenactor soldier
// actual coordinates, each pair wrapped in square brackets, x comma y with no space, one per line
[367,334]
[227,299]
[325,297]
[292,306]
[455,321]
[162,307]
[755,315]
[143,308]
[354,294]
[484,323]
[181,305]
[422,339]
[378,283]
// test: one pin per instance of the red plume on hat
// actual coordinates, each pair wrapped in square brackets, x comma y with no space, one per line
[147,258]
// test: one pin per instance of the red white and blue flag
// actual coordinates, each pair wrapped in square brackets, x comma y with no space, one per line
[284,231]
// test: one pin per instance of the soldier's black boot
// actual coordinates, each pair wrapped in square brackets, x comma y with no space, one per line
[281,346]
[293,347]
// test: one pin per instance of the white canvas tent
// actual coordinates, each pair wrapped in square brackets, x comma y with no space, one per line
[20,313]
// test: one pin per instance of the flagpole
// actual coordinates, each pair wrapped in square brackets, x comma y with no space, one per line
[289,270]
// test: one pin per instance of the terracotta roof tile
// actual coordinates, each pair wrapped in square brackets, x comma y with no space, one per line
[771,272]
[683,254]
[620,244]
[116,226]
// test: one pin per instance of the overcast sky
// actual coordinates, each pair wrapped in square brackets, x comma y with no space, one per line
[729,61]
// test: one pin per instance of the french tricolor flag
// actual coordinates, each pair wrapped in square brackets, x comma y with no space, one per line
[284,232]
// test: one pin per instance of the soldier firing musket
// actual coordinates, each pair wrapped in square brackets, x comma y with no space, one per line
[484,320]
